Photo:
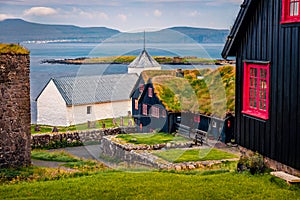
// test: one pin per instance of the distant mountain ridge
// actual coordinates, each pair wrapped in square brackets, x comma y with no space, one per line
[18,30]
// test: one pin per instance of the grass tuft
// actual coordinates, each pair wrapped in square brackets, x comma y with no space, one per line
[13,49]
[192,155]
[150,138]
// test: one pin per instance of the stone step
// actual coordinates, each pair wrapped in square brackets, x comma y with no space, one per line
[287,177]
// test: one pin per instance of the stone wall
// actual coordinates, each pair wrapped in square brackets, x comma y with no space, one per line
[272,164]
[14,111]
[117,151]
[76,138]
[97,135]
[139,156]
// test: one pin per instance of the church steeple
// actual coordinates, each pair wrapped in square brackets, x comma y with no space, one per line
[143,62]
[144,40]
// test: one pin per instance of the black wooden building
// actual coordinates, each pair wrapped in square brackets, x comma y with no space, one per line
[265,40]
[150,114]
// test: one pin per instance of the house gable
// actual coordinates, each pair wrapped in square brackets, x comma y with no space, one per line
[51,106]
[259,36]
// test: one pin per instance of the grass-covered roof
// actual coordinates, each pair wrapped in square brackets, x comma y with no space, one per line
[205,91]
[13,49]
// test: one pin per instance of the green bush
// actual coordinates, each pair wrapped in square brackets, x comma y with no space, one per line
[253,163]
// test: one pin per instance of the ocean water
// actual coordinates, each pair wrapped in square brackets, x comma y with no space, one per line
[40,73]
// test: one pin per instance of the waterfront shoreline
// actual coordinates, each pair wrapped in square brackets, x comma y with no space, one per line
[126,60]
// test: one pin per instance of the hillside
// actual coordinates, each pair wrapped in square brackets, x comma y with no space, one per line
[203,35]
[17,30]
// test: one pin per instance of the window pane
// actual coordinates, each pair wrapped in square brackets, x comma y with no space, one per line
[263,94]
[262,105]
[294,8]
[252,93]
[253,72]
[263,84]
[263,73]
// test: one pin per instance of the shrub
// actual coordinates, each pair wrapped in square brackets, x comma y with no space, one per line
[253,163]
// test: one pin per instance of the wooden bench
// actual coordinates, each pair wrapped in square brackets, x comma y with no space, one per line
[199,137]
[287,177]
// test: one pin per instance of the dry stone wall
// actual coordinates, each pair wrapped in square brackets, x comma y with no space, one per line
[14,111]
[77,138]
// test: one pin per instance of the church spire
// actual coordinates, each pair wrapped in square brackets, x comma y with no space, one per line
[144,40]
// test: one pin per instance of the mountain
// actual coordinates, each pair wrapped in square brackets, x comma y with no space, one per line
[17,30]
[203,35]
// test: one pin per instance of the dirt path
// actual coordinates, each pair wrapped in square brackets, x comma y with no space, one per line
[51,164]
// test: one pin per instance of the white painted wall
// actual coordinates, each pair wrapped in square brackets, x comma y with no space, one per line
[51,107]
[78,114]
[138,71]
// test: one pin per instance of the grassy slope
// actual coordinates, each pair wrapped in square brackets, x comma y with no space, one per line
[155,185]
[150,139]
[206,96]
[181,155]
[12,49]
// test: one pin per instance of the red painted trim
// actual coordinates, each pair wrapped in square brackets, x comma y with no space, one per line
[145,107]
[155,111]
[150,92]
[136,104]
[141,87]
[285,13]
[256,110]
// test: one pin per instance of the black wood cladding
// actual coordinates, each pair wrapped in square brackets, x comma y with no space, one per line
[266,39]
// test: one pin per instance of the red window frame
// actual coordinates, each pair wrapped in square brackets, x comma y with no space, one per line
[290,11]
[141,87]
[136,104]
[256,89]
[150,92]
[197,118]
[155,111]
[145,107]
[163,113]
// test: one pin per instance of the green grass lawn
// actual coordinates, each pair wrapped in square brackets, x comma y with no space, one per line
[71,161]
[181,155]
[151,138]
[155,185]
[58,156]
[80,127]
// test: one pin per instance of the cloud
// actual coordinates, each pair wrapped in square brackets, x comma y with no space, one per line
[40,11]
[194,13]
[157,13]
[103,15]
[6,16]
[122,17]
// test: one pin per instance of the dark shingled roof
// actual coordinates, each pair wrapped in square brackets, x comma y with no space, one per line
[95,89]
[240,24]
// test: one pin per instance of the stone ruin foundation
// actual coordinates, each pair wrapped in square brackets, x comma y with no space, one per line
[14,111]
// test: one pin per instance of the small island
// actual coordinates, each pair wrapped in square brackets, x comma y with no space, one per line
[168,60]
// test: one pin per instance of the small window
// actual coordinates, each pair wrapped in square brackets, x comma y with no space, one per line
[155,111]
[256,90]
[163,113]
[290,11]
[89,110]
[145,107]
[141,88]
[136,104]
[197,118]
[150,92]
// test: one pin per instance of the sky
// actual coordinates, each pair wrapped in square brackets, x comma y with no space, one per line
[125,15]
